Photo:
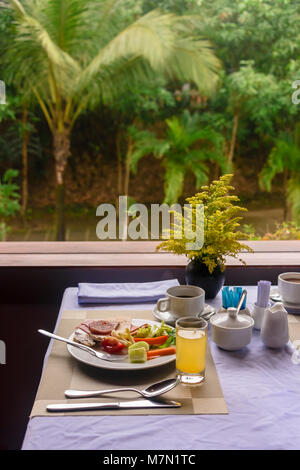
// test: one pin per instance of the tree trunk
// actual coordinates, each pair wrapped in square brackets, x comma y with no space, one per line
[61,143]
[287,208]
[25,140]
[60,228]
[288,212]
[233,138]
[120,168]
[127,177]
[216,171]
[120,165]
[127,166]
[3,231]
[285,205]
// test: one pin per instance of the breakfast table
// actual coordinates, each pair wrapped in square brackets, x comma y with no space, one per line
[261,387]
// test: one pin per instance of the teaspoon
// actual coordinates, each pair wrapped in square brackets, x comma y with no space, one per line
[149,392]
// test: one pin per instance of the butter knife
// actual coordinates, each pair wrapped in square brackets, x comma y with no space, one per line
[120,405]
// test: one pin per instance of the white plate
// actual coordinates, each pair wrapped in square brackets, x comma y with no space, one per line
[87,358]
[276,297]
[170,319]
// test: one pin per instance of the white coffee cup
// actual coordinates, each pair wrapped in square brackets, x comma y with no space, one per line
[182,301]
[289,287]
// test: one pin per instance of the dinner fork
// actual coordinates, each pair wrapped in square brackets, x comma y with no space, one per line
[99,355]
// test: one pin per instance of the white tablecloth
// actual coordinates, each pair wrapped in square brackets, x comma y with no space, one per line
[261,388]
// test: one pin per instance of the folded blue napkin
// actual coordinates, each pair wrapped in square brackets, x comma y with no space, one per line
[90,293]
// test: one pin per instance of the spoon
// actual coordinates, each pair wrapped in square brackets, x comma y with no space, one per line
[244,293]
[149,392]
[275,296]
[206,316]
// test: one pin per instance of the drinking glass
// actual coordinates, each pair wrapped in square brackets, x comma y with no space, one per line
[191,340]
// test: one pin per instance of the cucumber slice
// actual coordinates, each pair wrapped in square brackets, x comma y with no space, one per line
[139,344]
[137,354]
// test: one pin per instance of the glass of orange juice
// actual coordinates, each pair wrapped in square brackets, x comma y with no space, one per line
[191,340]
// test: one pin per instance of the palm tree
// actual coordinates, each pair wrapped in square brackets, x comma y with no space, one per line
[22,139]
[186,146]
[19,138]
[73,54]
[284,159]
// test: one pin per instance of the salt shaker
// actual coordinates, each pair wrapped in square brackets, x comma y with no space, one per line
[275,330]
[263,292]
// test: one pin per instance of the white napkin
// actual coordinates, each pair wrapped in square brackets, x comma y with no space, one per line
[90,293]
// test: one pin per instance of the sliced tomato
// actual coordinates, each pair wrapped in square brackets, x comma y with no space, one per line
[112,345]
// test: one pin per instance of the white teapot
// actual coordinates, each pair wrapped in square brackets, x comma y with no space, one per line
[275,329]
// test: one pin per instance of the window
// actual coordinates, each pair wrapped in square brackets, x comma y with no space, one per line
[155,129]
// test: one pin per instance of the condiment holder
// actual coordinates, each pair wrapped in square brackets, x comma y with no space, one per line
[262,302]
[258,315]
[231,297]
[230,330]
[232,327]
[275,329]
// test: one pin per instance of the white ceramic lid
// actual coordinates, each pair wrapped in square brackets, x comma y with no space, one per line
[231,320]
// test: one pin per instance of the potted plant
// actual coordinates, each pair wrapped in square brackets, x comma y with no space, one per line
[221,237]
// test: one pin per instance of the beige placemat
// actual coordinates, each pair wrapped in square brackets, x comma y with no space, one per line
[294,326]
[63,372]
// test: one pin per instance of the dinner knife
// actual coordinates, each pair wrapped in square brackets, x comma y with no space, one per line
[120,405]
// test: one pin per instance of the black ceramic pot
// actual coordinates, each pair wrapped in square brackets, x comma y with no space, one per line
[197,274]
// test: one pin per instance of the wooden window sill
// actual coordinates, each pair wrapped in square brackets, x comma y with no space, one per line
[129,253]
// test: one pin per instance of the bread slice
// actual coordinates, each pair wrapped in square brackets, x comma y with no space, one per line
[83,337]
[124,323]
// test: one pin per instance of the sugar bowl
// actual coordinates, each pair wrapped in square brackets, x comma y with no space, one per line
[230,330]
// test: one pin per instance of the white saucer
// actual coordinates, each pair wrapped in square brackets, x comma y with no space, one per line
[276,297]
[170,319]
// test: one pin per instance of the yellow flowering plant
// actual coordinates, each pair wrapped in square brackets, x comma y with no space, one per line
[221,221]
